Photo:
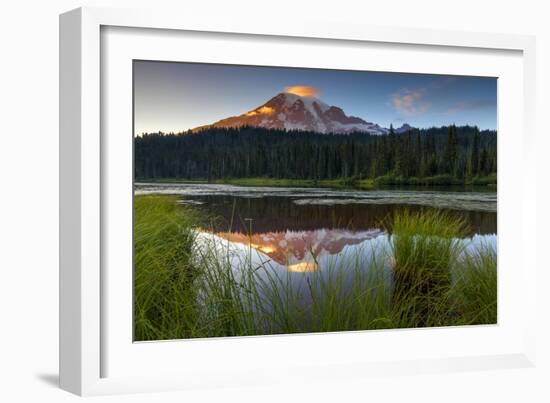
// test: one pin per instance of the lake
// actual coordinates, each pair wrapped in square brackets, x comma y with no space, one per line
[296,227]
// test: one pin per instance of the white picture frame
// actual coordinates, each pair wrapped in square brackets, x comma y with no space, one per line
[86,177]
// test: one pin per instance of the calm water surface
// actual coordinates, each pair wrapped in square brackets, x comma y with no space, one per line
[297,228]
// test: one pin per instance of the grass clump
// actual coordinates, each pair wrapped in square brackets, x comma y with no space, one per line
[164,296]
[474,294]
[425,245]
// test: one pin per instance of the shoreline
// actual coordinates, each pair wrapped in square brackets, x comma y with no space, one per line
[385,183]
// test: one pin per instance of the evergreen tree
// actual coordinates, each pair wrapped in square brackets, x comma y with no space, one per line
[474,157]
[451,153]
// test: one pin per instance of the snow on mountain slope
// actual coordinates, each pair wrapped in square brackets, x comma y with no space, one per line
[290,111]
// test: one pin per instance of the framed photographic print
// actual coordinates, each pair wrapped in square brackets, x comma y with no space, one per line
[295,217]
[234,202]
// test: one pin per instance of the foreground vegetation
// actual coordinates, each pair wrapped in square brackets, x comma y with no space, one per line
[186,288]
[163,269]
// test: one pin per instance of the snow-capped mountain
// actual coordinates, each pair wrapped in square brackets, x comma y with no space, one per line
[294,112]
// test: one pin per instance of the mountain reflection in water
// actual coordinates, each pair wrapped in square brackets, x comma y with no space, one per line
[297,236]
[299,251]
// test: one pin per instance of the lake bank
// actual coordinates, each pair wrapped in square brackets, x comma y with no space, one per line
[487,182]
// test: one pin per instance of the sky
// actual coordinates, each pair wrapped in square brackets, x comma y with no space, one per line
[173,96]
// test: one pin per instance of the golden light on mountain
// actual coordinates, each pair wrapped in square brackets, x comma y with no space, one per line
[303,90]
[264,110]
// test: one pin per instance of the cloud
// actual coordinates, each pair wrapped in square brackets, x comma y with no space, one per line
[416,101]
[469,106]
[411,102]
[303,90]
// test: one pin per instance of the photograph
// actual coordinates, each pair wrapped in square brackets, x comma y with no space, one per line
[273,200]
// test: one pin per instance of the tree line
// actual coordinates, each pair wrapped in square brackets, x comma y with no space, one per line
[459,152]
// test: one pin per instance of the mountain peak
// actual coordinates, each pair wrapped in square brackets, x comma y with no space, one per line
[405,127]
[299,108]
